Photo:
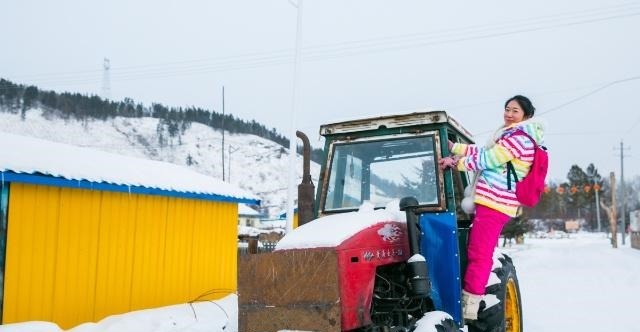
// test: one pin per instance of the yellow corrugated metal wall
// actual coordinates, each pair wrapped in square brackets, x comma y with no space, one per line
[77,255]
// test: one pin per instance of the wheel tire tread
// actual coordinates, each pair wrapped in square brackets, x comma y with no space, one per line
[492,319]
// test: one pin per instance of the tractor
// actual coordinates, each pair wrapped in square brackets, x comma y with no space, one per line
[382,247]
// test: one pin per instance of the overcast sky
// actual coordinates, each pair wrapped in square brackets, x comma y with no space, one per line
[360,58]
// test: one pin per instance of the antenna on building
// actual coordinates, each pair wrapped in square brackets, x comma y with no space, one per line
[106,79]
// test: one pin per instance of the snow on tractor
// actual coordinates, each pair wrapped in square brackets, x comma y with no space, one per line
[388,245]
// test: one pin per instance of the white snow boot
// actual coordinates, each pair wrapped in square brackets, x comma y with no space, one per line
[470,305]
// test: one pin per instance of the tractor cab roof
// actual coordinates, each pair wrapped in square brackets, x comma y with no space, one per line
[394,121]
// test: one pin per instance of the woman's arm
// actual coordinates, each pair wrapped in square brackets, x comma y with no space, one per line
[461,149]
[479,158]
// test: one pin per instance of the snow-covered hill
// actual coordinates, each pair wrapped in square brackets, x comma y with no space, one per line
[251,162]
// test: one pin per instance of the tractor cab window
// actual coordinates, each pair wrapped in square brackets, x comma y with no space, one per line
[381,169]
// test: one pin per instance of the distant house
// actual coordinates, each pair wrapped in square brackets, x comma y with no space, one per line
[86,234]
[248,216]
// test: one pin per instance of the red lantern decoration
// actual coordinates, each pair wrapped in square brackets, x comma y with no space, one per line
[587,188]
[574,190]
[596,187]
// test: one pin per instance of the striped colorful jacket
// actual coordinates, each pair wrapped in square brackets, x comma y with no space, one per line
[491,164]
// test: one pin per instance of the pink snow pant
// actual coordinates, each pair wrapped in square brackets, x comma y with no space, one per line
[483,238]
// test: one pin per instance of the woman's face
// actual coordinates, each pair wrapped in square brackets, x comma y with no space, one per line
[513,113]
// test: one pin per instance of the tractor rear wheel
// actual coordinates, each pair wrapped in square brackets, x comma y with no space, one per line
[501,307]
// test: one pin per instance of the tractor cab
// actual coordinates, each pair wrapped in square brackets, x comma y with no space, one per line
[385,158]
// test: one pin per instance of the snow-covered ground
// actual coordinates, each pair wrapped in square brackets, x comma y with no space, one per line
[578,284]
[575,284]
[205,316]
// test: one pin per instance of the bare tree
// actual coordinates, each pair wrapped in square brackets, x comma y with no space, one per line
[612,211]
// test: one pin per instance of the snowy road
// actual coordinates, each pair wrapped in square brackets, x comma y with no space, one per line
[578,284]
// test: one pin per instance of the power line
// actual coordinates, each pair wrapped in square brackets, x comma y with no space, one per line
[476,28]
[624,7]
[553,109]
[343,49]
[583,96]
[537,94]
[631,128]
[355,50]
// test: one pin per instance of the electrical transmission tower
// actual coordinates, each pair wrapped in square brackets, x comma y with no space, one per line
[106,79]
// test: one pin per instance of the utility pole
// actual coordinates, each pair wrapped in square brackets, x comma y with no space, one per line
[106,79]
[295,106]
[597,188]
[623,194]
[222,133]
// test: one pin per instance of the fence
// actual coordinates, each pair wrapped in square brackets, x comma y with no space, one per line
[253,246]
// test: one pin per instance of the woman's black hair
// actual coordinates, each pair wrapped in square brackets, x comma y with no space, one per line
[525,104]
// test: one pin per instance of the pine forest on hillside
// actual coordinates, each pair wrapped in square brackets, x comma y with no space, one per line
[174,120]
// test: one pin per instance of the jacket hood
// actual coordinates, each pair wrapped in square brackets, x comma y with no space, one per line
[534,127]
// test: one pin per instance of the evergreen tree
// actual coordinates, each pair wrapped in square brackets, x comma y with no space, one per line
[29,96]
[515,228]
[578,179]
[9,93]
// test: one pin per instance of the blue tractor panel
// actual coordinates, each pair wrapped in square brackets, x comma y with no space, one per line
[440,248]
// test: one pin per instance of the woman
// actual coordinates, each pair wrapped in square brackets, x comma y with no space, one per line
[495,203]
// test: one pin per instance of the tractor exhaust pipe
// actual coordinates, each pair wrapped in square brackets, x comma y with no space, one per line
[417,265]
[306,187]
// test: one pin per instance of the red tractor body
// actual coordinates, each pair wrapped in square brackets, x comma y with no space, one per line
[358,258]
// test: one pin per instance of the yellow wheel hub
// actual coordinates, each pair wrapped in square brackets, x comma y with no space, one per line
[512,314]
